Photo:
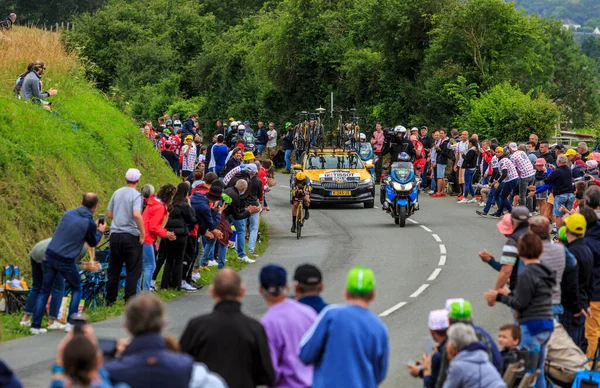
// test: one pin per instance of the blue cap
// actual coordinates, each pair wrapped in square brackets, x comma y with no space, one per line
[246,122]
[273,278]
[312,118]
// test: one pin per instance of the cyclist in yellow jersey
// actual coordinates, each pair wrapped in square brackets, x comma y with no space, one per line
[300,191]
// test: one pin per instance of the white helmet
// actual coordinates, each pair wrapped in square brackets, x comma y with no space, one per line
[399,129]
[242,127]
[363,136]
[234,124]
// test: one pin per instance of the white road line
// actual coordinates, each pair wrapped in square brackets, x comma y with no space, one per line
[443,249]
[442,260]
[376,207]
[434,274]
[419,290]
[436,238]
[426,229]
[392,309]
[413,221]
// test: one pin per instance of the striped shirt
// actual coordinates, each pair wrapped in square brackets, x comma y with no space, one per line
[509,252]
[511,173]
[522,164]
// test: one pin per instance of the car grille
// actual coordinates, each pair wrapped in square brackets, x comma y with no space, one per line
[340,186]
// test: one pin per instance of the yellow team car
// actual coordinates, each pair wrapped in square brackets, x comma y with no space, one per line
[337,176]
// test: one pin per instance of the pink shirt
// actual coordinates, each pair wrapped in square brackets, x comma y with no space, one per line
[377,140]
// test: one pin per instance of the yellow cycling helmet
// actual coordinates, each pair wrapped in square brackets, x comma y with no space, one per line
[300,176]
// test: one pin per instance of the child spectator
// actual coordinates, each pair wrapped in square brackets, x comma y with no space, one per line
[509,338]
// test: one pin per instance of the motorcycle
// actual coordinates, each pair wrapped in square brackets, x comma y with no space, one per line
[365,152]
[400,192]
[249,142]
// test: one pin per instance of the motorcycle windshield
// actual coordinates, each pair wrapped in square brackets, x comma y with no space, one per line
[402,172]
[249,139]
[365,151]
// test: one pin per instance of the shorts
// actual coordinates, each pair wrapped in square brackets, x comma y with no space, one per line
[440,170]
[461,176]
[419,164]
[542,196]
[551,199]
[564,199]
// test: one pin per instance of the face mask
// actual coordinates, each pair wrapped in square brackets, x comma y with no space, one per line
[242,193]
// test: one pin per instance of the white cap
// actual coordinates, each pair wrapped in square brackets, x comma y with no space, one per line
[513,146]
[414,129]
[438,320]
[450,301]
[591,163]
[133,175]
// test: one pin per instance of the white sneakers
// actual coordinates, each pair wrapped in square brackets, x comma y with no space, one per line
[196,276]
[38,331]
[25,323]
[464,200]
[482,204]
[186,287]
[213,263]
[246,259]
[68,328]
[472,200]
[56,326]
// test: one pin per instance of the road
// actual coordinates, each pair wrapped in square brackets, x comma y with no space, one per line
[417,268]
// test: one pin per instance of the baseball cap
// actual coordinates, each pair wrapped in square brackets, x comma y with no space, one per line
[499,149]
[576,223]
[460,310]
[424,127]
[513,146]
[308,274]
[450,301]
[215,193]
[246,122]
[520,213]
[591,164]
[360,280]
[133,175]
[248,156]
[415,129]
[251,167]
[273,278]
[231,119]
[570,152]
[505,225]
[288,124]
[167,131]
[438,320]
[540,162]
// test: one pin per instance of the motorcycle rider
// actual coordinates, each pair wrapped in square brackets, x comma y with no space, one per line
[300,192]
[398,144]
[403,157]
[365,150]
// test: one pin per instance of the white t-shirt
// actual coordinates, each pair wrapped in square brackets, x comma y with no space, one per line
[463,148]
[272,142]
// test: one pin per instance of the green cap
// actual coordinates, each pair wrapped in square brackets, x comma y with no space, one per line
[288,124]
[562,234]
[360,280]
[226,198]
[460,310]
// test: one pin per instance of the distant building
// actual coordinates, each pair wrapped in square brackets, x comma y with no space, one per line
[571,25]
[597,31]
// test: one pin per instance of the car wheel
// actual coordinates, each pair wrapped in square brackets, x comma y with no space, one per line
[369,204]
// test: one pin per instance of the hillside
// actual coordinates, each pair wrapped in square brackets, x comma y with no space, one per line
[46,162]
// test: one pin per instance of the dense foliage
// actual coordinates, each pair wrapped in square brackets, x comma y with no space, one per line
[579,11]
[391,59]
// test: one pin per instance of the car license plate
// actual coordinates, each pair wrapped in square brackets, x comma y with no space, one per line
[341,193]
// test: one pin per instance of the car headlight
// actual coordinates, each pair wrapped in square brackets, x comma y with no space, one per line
[366,181]
[315,183]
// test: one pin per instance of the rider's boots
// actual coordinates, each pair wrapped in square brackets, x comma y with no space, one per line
[416,205]
[386,206]
[293,224]
[306,214]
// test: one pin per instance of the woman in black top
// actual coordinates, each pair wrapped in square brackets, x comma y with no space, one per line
[180,216]
[470,165]
[235,160]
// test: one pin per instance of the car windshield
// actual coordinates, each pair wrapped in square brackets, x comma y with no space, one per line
[327,162]
[401,170]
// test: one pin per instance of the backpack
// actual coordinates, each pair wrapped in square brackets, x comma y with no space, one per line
[564,359]
[19,84]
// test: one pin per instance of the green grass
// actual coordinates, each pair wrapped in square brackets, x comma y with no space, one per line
[9,323]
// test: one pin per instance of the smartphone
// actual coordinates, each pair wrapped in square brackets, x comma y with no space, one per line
[79,320]
[101,218]
[108,347]
[428,344]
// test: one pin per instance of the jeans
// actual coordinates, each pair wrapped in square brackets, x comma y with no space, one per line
[574,326]
[298,155]
[125,249]
[536,344]
[503,202]
[469,173]
[148,267]
[259,149]
[492,196]
[288,160]
[240,240]
[563,199]
[524,183]
[51,269]
[222,254]
[557,310]
[209,246]
[253,222]
[58,290]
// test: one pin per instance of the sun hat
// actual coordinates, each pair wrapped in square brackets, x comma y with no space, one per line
[361,280]
[460,310]
[308,274]
[249,156]
[570,152]
[438,320]
[505,225]
[273,278]
[540,162]
[189,137]
[499,149]
[133,175]
[576,223]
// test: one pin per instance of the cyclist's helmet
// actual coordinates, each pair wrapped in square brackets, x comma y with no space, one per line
[300,176]
[363,137]
[403,157]
[399,129]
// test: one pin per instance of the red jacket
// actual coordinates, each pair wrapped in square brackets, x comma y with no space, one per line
[154,217]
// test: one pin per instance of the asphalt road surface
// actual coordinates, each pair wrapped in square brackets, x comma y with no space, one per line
[417,268]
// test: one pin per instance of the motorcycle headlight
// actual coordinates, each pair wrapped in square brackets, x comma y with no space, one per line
[370,161]
[407,187]
[397,186]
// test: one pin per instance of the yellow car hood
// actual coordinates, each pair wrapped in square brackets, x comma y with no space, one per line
[316,175]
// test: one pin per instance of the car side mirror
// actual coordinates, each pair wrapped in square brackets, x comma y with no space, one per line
[369,166]
[297,167]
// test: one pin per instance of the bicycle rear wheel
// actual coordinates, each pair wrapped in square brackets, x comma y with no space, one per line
[299,221]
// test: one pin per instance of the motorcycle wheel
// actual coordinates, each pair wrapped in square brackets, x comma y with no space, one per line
[402,216]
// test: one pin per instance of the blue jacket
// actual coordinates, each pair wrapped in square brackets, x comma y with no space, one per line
[76,227]
[348,346]
[592,239]
[496,356]
[188,129]
[206,218]
[288,141]
[219,155]
[8,378]
[262,137]
[146,362]
[314,301]
[471,368]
